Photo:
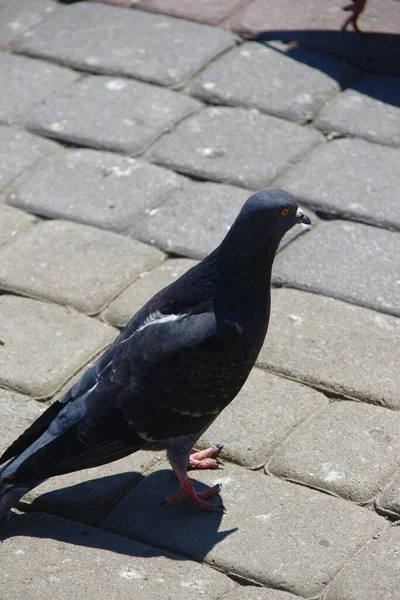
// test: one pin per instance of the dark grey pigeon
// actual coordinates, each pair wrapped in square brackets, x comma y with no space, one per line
[177,364]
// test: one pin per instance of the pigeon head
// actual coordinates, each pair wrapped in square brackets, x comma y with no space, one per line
[270,214]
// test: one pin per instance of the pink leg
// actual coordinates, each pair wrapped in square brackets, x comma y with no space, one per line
[188,492]
[206,459]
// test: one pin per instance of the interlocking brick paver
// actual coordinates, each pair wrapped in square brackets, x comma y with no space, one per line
[49,557]
[318,532]
[13,221]
[235,146]
[19,151]
[374,574]
[111,113]
[349,178]
[16,16]
[350,449]
[98,188]
[265,412]
[17,414]
[108,39]
[290,86]
[87,496]
[89,268]
[357,263]
[256,593]
[206,11]
[334,345]
[26,83]
[148,283]
[369,109]
[43,344]
[388,501]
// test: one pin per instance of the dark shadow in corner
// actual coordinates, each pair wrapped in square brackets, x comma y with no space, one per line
[143,527]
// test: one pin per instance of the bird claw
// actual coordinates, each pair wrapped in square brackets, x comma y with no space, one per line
[188,492]
[206,459]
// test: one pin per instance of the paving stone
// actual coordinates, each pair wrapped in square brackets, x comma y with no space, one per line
[333,345]
[88,495]
[235,146]
[26,83]
[388,502]
[206,11]
[16,16]
[43,345]
[265,412]
[17,413]
[114,114]
[256,593]
[357,263]
[349,178]
[45,557]
[374,574]
[97,188]
[12,221]
[120,311]
[349,449]
[19,151]
[369,109]
[267,521]
[89,268]
[154,48]
[293,87]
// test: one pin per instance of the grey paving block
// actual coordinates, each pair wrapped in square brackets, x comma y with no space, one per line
[256,593]
[206,11]
[374,574]
[19,151]
[87,270]
[353,262]
[12,221]
[264,413]
[97,188]
[349,178]
[26,83]
[388,501]
[234,145]
[154,48]
[267,521]
[43,345]
[47,557]
[192,222]
[16,16]
[17,413]
[334,345]
[369,110]
[87,496]
[109,113]
[350,449]
[293,87]
[148,283]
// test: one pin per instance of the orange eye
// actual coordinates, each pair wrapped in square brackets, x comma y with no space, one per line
[284,212]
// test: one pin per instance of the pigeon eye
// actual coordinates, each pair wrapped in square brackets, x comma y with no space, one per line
[284,212]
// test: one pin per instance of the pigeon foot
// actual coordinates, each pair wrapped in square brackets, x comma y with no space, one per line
[206,459]
[187,492]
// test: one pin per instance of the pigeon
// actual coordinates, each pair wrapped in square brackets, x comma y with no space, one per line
[178,363]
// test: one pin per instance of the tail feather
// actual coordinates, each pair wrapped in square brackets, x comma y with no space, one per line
[9,497]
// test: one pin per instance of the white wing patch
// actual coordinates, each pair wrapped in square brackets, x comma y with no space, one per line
[157,317]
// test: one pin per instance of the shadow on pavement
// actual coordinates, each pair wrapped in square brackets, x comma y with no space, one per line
[138,519]
[374,52]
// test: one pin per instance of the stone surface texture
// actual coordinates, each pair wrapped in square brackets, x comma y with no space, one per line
[206,11]
[12,221]
[89,268]
[111,113]
[234,145]
[351,179]
[97,188]
[293,87]
[352,262]
[155,48]
[388,501]
[16,16]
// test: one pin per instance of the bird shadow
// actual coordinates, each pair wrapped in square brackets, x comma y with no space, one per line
[136,526]
[378,53]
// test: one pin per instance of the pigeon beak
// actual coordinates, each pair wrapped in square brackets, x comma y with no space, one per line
[300,217]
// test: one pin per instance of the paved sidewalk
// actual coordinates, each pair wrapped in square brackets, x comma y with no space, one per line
[129,139]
